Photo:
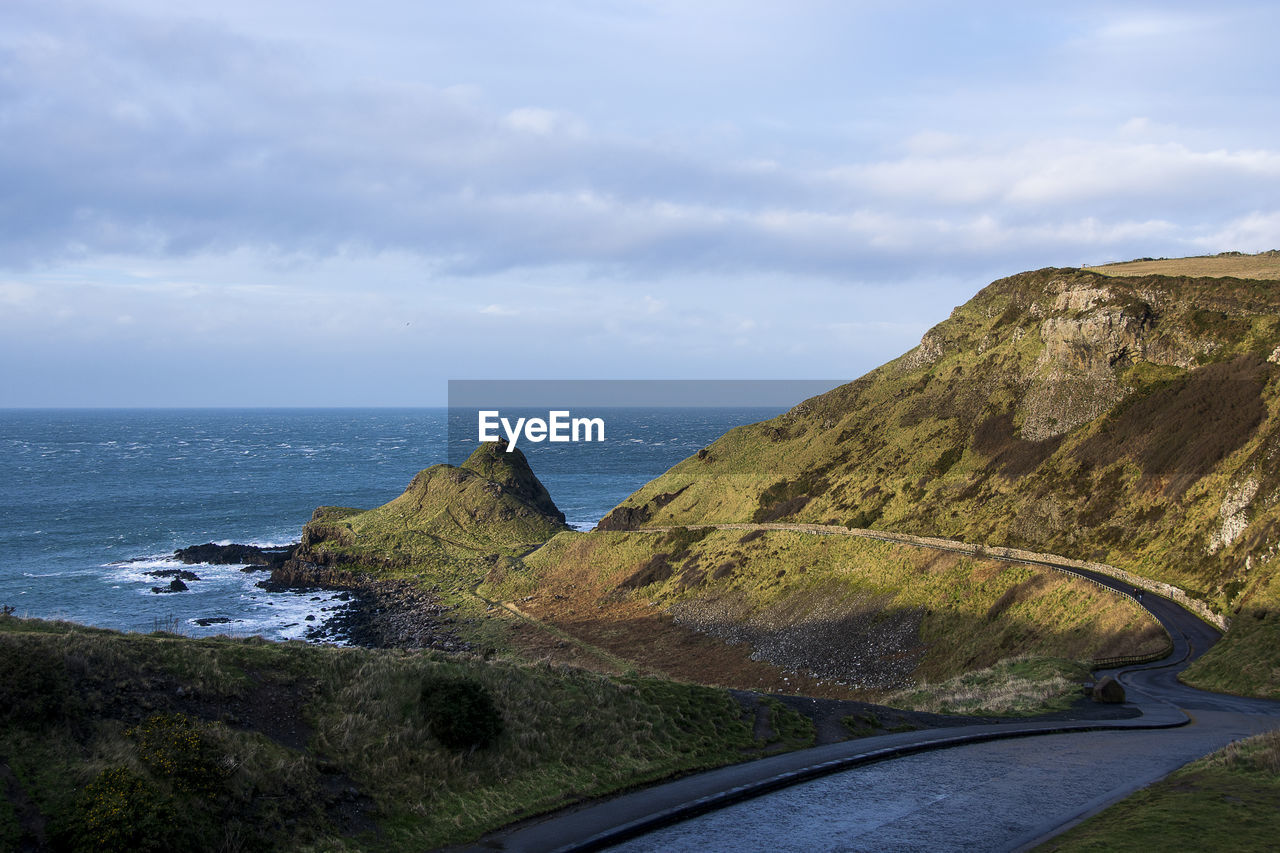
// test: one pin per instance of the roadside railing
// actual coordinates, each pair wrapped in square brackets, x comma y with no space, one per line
[1129,660]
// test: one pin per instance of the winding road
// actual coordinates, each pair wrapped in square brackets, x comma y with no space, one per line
[998,787]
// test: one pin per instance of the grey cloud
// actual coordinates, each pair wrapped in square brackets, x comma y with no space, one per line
[123,135]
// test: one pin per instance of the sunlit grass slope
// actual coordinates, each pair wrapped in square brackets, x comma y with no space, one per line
[1128,420]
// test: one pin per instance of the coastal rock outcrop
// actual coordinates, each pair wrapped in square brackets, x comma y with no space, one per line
[448,519]
[231,554]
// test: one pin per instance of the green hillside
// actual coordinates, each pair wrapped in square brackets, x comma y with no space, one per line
[830,615]
[490,508]
[1127,420]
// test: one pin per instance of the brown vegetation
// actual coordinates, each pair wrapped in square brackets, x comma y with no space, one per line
[1264,265]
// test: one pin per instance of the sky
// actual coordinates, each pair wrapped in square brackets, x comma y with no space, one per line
[337,204]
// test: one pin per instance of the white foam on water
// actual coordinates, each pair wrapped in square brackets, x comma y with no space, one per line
[283,615]
[272,543]
[257,543]
[156,560]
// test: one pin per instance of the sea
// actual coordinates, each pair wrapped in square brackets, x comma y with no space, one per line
[92,501]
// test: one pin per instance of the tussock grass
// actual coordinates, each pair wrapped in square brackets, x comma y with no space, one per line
[1014,687]
[1246,661]
[288,746]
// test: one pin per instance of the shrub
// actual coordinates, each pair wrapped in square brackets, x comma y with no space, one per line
[460,713]
[123,811]
[173,746]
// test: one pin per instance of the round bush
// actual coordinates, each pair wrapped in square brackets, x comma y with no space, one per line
[175,747]
[460,713]
[122,812]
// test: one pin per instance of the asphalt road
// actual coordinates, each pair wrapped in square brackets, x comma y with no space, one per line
[1000,795]
[1001,787]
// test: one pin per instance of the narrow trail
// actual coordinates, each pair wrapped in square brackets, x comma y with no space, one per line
[1001,787]
[618,664]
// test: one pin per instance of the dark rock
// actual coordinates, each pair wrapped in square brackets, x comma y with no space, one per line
[206,621]
[624,518]
[176,585]
[225,555]
[391,614]
[657,569]
[302,576]
[182,574]
[1108,690]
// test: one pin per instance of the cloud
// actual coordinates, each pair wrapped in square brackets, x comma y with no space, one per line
[128,136]
[1146,26]
[1254,232]
[647,187]
[1064,171]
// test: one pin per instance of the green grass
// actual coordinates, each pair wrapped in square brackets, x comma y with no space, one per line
[1246,661]
[793,730]
[1160,395]
[862,725]
[971,612]
[1227,801]
[451,524]
[217,756]
[1015,687]
[1264,265]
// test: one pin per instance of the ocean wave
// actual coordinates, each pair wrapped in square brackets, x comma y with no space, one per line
[283,615]
[154,561]
[258,543]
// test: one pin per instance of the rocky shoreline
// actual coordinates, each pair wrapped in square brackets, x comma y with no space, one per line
[375,612]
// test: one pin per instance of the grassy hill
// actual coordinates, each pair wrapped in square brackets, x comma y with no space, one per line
[450,522]
[1128,420]
[787,611]
[124,742]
